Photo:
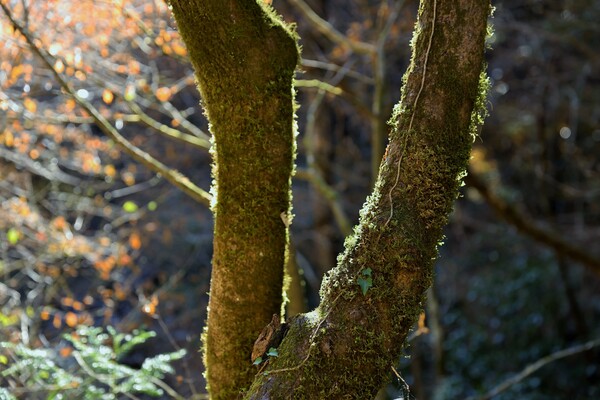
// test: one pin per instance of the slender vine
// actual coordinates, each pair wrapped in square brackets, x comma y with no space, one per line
[406,137]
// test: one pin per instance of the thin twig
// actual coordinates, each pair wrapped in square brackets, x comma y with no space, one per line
[378,125]
[532,229]
[186,365]
[531,368]
[167,130]
[317,84]
[335,68]
[331,195]
[327,30]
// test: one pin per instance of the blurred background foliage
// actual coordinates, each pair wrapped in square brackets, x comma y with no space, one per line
[91,236]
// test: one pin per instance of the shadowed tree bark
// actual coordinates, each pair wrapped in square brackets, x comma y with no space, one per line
[244,60]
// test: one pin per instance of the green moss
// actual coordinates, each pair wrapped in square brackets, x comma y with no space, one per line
[248,99]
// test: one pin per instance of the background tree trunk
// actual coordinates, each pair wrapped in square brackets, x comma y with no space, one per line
[244,60]
[346,348]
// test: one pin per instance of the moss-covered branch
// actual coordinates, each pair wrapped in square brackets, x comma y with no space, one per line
[345,348]
[244,58]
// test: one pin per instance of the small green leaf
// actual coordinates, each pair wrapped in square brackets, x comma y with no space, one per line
[130,207]
[3,359]
[13,236]
[367,271]
[130,94]
[272,352]
[365,284]
[152,206]
[257,361]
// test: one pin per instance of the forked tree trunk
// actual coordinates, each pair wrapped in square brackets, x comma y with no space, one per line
[345,349]
[244,61]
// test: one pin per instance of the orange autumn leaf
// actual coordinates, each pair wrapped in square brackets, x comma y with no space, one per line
[45,315]
[71,319]
[30,105]
[150,307]
[179,49]
[124,259]
[67,301]
[135,241]
[59,66]
[56,321]
[110,170]
[107,96]
[422,327]
[120,292]
[9,139]
[128,178]
[65,352]
[69,105]
[133,67]
[163,93]
[105,266]
[59,222]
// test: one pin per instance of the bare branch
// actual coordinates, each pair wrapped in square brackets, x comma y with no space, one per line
[531,368]
[315,83]
[327,30]
[523,223]
[167,130]
[335,68]
[331,195]
[52,174]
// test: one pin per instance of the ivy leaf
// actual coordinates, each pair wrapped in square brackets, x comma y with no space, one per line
[257,361]
[272,352]
[367,271]
[365,284]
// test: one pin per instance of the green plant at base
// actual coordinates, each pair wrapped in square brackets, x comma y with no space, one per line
[92,370]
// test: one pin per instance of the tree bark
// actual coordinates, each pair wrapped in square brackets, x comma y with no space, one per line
[347,346]
[244,59]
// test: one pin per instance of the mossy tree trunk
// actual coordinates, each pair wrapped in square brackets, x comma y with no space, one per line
[244,60]
[347,346]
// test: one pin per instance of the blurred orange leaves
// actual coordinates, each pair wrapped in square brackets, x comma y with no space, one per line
[135,241]
[149,307]
[163,94]
[108,53]
[107,96]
